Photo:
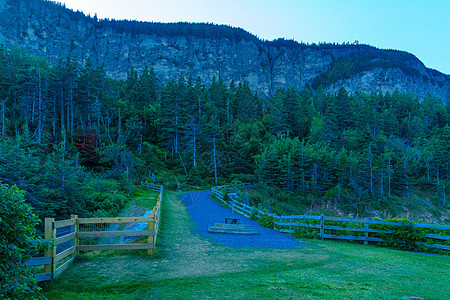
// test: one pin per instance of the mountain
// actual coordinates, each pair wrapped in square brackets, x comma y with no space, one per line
[49,29]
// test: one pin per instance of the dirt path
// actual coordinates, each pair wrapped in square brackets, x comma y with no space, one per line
[205,212]
[186,254]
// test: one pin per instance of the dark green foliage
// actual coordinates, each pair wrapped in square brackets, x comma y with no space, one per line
[359,150]
[302,232]
[58,187]
[254,213]
[407,237]
[17,231]
[266,221]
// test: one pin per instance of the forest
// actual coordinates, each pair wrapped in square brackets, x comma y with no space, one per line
[79,142]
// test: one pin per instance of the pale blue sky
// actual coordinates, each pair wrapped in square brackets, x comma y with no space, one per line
[421,27]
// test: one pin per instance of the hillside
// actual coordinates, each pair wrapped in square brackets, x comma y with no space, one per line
[48,29]
[77,139]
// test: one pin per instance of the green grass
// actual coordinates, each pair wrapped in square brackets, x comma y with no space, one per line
[187,266]
[145,198]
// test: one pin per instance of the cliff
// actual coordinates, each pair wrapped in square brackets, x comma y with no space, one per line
[48,29]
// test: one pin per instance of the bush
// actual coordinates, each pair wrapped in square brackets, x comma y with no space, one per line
[17,232]
[266,221]
[406,237]
[256,199]
[254,212]
[103,198]
[107,204]
[301,232]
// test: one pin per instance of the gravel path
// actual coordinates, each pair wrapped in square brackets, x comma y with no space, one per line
[205,212]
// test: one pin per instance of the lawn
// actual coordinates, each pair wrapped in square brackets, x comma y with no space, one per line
[145,198]
[187,266]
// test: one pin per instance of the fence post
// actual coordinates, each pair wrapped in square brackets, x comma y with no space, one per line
[322,223]
[366,232]
[76,228]
[50,233]
[151,238]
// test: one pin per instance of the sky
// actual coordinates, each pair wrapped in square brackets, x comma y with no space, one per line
[421,27]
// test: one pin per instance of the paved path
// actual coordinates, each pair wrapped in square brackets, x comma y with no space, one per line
[205,212]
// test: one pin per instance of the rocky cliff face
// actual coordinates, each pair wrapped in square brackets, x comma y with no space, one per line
[49,30]
[379,80]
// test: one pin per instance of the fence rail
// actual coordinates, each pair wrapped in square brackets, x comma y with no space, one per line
[288,224]
[152,186]
[70,236]
[156,212]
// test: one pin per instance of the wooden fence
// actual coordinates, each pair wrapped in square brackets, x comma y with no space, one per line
[70,236]
[241,208]
[156,212]
[333,227]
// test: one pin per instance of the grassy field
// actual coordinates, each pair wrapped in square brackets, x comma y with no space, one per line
[187,266]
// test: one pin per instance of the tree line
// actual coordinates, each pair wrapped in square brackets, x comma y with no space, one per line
[77,140]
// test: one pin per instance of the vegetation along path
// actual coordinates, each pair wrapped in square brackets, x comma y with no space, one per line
[190,266]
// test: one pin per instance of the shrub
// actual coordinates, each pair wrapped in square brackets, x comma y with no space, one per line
[256,199]
[17,232]
[301,232]
[254,212]
[108,204]
[405,237]
[266,221]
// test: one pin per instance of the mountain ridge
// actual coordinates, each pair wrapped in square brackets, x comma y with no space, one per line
[48,29]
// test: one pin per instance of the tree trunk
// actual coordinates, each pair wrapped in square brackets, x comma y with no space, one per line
[3,110]
[371,169]
[68,115]
[303,169]
[199,109]
[176,133]
[62,105]
[437,176]
[195,143]
[54,116]
[140,143]
[228,111]
[182,162]
[119,127]
[71,109]
[39,138]
[389,173]
[443,192]
[215,163]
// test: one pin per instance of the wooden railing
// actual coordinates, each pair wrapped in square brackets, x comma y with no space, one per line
[361,227]
[156,212]
[69,237]
[109,234]
[152,186]
[41,260]
[288,224]
[241,208]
